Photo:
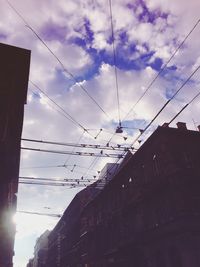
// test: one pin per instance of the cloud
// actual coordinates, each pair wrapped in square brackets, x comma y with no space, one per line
[79,33]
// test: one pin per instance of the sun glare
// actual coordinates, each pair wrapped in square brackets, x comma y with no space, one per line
[15,218]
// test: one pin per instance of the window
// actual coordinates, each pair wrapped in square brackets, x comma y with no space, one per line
[160,259]
[174,257]
[187,160]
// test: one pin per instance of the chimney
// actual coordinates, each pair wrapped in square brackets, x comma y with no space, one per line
[198,127]
[165,125]
[181,125]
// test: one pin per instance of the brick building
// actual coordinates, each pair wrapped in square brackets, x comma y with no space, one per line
[14,71]
[148,215]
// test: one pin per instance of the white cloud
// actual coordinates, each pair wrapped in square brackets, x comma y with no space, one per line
[44,122]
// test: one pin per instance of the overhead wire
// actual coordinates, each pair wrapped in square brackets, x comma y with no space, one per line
[61,108]
[164,106]
[72,119]
[92,164]
[57,166]
[69,117]
[57,180]
[69,185]
[64,68]
[163,68]
[64,112]
[184,107]
[60,62]
[73,170]
[62,65]
[57,110]
[112,148]
[93,173]
[114,59]
[147,87]
[160,72]
[74,148]
[57,58]
[40,213]
[42,167]
[90,154]
[78,144]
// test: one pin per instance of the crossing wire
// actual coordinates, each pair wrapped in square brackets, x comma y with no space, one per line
[184,107]
[61,180]
[158,74]
[73,149]
[164,106]
[92,164]
[88,154]
[56,166]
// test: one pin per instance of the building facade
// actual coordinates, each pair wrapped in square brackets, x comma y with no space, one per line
[40,250]
[30,263]
[63,240]
[14,72]
[148,215]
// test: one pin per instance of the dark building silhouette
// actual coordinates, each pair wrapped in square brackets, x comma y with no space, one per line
[147,215]
[40,250]
[63,240]
[30,263]
[14,71]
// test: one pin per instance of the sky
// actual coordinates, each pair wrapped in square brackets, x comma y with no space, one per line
[73,63]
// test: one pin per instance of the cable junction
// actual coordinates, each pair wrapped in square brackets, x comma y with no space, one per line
[66,180]
[74,148]
[107,147]
[119,129]
[89,154]
[59,166]
[69,185]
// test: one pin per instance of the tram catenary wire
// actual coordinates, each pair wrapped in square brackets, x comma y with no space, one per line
[158,74]
[92,146]
[184,107]
[56,57]
[66,180]
[164,106]
[114,60]
[89,154]
[163,68]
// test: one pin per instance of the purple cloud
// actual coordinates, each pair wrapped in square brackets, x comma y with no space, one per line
[51,31]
